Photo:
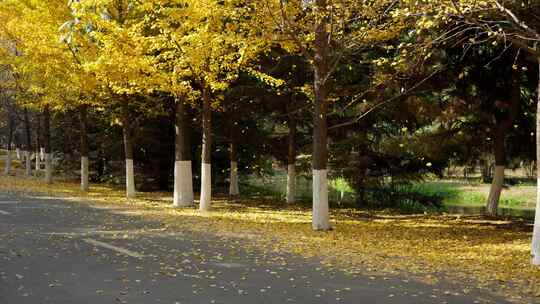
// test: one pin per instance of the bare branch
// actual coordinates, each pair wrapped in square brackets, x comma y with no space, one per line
[383,103]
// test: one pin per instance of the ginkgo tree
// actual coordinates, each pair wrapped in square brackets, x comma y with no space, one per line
[326,33]
[9,114]
[84,82]
[38,61]
[202,45]
[166,35]
[116,55]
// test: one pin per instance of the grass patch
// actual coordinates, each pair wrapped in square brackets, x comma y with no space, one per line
[519,196]
[470,250]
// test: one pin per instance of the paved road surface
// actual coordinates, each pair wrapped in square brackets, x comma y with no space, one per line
[56,252]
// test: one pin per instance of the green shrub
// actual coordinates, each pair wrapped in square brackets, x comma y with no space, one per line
[406,197]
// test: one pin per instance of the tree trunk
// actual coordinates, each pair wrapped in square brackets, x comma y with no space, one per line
[291,161]
[233,178]
[321,215]
[38,162]
[183,176]
[83,112]
[38,144]
[28,148]
[17,143]
[11,126]
[535,246]
[498,177]
[206,157]
[485,164]
[47,139]
[128,152]
[504,123]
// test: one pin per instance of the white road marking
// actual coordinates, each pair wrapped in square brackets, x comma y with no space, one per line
[9,202]
[4,212]
[119,233]
[191,275]
[62,234]
[114,248]
[128,213]
[230,265]
[43,207]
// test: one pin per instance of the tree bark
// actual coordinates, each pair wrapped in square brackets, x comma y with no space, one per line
[321,216]
[128,152]
[11,127]
[38,144]
[206,157]
[498,176]
[47,144]
[485,167]
[183,176]
[83,115]
[17,142]
[535,246]
[28,150]
[291,161]
[233,178]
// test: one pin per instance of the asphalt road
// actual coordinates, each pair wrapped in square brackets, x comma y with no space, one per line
[53,251]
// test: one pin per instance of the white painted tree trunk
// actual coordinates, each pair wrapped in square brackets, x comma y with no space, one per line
[321,215]
[28,160]
[183,184]
[48,168]
[18,151]
[495,191]
[85,186]
[233,184]
[7,169]
[535,247]
[291,183]
[130,179]
[42,153]
[206,187]
[38,162]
